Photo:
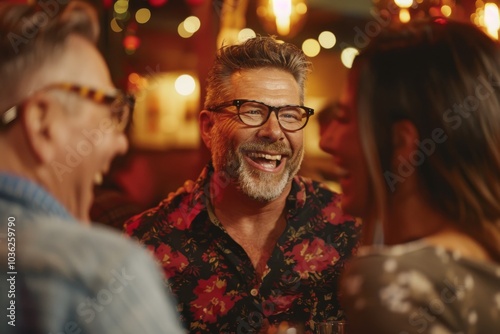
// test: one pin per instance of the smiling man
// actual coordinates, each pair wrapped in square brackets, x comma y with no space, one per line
[250,245]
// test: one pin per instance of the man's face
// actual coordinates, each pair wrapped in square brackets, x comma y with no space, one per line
[264,159]
[88,139]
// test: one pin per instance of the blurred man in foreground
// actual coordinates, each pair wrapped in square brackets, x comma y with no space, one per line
[61,124]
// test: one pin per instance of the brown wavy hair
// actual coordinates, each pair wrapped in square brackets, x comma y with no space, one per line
[442,76]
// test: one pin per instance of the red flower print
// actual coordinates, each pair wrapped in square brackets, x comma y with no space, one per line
[172,262]
[183,216]
[209,257]
[212,299]
[279,304]
[313,256]
[333,214]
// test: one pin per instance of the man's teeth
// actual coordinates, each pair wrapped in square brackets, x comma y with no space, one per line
[266,156]
[98,178]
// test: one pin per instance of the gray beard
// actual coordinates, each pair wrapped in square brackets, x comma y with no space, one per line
[263,186]
[256,184]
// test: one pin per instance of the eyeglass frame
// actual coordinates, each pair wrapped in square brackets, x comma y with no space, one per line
[95,95]
[239,102]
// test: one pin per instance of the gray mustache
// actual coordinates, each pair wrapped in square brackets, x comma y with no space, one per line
[277,147]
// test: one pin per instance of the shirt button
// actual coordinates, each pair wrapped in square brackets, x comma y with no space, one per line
[254,292]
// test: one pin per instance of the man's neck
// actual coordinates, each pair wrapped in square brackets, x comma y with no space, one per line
[255,225]
[233,207]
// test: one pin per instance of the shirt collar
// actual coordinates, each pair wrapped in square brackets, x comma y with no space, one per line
[30,194]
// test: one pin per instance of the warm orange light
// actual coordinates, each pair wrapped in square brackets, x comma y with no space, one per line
[282,17]
[282,11]
[491,19]
[131,42]
[446,10]
[404,15]
[134,78]
[403,3]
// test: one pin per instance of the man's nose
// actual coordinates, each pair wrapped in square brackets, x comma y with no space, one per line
[271,128]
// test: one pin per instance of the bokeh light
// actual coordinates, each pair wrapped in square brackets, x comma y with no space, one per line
[245,34]
[327,39]
[192,24]
[143,15]
[134,78]
[446,10]
[121,6]
[185,84]
[311,47]
[181,30]
[131,42]
[301,8]
[347,56]
[403,3]
[115,26]
[404,15]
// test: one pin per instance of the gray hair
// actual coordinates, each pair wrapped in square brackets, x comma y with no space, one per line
[254,53]
[31,35]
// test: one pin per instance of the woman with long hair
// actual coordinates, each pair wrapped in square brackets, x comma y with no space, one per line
[416,147]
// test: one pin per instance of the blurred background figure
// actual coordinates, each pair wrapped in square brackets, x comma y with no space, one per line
[416,141]
[61,124]
[251,244]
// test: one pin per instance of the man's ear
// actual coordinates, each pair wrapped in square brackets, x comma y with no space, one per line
[405,139]
[206,124]
[39,119]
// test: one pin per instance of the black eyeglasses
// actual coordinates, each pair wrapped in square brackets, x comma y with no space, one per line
[121,105]
[255,113]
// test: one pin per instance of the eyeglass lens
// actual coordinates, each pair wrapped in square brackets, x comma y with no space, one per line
[255,114]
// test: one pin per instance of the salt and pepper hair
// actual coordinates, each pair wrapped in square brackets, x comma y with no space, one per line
[255,53]
[442,76]
[31,35]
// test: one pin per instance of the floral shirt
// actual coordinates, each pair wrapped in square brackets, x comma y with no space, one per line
[418,288]
[217,287]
